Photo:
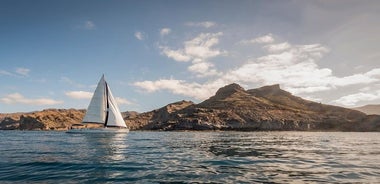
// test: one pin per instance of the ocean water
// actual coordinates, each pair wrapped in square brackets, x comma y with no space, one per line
[187,157]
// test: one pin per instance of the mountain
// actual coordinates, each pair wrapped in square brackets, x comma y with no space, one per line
[147,120]
[265,108]
[369,109]
[268,108]
[49,119]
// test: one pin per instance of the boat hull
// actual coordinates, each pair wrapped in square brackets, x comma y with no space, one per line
[98,131]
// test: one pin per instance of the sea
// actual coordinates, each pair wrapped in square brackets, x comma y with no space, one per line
[189,157]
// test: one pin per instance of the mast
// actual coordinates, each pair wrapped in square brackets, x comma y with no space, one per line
[108,104]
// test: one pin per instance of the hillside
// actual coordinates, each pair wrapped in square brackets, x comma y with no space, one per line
[369,109]
[267,108]
[49,119]
[146,120]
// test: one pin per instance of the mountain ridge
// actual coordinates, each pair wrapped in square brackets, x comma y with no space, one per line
[265,108]
[370,109]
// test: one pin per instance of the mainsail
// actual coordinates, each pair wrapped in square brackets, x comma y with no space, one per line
[103,108]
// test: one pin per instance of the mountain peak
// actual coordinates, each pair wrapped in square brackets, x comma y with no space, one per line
[369,109]
[269,90]
[271,87]
[229,89]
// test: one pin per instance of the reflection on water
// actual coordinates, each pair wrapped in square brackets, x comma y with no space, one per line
[216,157]
[107,147]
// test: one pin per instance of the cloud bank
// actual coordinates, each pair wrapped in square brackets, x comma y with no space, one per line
[262,39]
[17,98]
[79,94]
[293,66]
[198,51]
[205,24]
[122,101]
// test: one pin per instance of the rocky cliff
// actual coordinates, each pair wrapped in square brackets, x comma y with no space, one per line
[268,108]
[152,120]
[265,108]
[49,119]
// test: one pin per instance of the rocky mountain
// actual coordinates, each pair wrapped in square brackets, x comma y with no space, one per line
[268,108]
[146,121]
[49,119]
[265,108]
[369,109]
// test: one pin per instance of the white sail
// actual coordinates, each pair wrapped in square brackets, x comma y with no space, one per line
[114,115]
[96,111]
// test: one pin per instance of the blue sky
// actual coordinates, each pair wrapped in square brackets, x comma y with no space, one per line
[52,53]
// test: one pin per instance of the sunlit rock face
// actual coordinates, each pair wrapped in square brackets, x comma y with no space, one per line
[262,109]
[49,119]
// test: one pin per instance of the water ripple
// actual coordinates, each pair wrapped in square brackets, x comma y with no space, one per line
[188,157]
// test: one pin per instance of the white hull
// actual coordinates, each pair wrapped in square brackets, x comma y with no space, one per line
[99,130]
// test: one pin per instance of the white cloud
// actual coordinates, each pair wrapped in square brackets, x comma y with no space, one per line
[3,72]
[262,39]
[23,71]
[277,47]
[19,72]
[373,73]
[181,87]
[177,55]
[200,47]
[122,101]
[353,99]
[79,94]
[197,50]
[17,98]
[89,25]
[354,79]
[365,89]
[175,86]
[165,31]
[203,69]
[139,35]
[295,67]
[205,24]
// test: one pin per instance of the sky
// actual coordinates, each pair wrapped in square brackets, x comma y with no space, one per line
[155,52]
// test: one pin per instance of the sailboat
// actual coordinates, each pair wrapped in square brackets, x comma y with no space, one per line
[102,110]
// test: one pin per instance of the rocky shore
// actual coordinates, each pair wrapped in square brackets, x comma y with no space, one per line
[268,108]
[48,119]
